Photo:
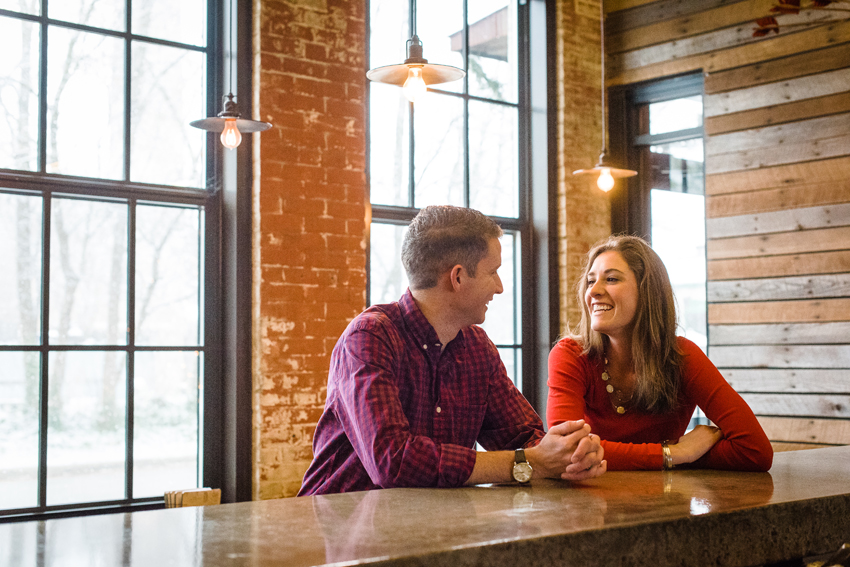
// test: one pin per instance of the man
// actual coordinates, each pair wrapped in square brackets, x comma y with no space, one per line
[414,384]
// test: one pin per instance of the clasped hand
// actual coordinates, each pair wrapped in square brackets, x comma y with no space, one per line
[568,451]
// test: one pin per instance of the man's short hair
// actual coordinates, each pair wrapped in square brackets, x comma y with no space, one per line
[441,237]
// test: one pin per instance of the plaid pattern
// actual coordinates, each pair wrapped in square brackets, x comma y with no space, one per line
[400,413]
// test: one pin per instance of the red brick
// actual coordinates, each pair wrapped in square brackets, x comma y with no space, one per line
[325,191]
[295,172]
[325,225]
[317,52]
[305,207]
[300,102]
[311,156]
[338,107]
[319,88]
[312,201]
[346,210]
[345,176]
[283,292]
[334,157]
[306,68]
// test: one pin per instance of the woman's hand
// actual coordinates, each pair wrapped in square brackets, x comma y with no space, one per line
[695,443]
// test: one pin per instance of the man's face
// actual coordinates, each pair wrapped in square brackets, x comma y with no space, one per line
[478,291]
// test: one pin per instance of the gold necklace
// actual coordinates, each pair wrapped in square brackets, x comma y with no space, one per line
[620,403]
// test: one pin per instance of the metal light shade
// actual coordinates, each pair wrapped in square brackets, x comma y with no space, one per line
[230,112]
[615,172]
[430,73]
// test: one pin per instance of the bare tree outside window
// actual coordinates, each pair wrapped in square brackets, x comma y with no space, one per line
[98,236]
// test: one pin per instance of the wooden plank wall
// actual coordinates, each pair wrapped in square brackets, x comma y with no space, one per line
[777,122]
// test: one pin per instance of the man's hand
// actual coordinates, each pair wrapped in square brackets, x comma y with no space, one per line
[568,451]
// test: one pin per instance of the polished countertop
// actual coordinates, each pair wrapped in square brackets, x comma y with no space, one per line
[699,517]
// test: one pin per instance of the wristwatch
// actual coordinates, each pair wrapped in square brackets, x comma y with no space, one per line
[522,469]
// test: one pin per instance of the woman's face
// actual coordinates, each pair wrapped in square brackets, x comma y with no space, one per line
[612,295]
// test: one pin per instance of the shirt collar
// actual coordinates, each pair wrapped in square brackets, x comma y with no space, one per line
[419,326]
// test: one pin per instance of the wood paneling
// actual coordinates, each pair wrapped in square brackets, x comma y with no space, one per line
[633,14]
[788,333]
[786,220]
[782,356]
[831,431]
[807,63]
[777,163]
[772,94]
[703,43]
[783,45]
[782,243]
[783,265]
[826,171]
[772,137]
[782,446]
[781,154]
[686,26]
[798,311]
[788,381]
[779,114]
[780,199]
[779,145]
[778,289]
[800,405]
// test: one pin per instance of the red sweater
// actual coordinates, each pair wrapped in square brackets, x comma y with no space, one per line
[633,440]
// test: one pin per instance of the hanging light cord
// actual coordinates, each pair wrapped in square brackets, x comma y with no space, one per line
[230,42]
[413,12]
[602,44]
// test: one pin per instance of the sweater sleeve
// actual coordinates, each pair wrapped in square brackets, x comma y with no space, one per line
[567,383]
[744,446]
[569,375]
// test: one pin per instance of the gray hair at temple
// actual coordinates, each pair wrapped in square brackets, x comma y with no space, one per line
[441,237]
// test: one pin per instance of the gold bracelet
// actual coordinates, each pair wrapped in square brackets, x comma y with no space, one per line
[668,456]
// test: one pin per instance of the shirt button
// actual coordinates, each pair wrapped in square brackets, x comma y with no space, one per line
[425,347]
[439,409]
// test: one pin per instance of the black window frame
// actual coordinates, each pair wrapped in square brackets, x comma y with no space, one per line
[223,202]
[630,207]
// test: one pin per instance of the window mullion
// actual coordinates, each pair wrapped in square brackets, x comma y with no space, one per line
[45,351]
[128,61]
[42,91]
[131,343]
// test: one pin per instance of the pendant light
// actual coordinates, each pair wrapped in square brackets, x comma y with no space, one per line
[604,172]
[415,74]
[229,122]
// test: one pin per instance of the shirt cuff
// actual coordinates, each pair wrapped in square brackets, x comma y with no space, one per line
[456,464]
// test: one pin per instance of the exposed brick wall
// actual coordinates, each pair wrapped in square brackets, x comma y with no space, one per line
[584,212]
[309,219]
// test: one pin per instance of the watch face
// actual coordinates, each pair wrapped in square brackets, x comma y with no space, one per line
[522,472]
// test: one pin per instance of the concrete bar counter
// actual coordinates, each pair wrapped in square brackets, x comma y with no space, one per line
[800,508]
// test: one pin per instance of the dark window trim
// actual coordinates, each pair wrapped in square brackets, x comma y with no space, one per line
[226,431]
[630,203]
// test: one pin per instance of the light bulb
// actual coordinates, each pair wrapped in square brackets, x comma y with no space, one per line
[414,87]
[231,137]
[605,181]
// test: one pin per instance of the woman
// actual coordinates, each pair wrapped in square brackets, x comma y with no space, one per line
[636,383]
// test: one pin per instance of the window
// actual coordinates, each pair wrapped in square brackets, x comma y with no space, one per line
[666,202]
[464,144]
[103,231]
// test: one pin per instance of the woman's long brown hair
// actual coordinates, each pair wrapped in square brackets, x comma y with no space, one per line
[656,355]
